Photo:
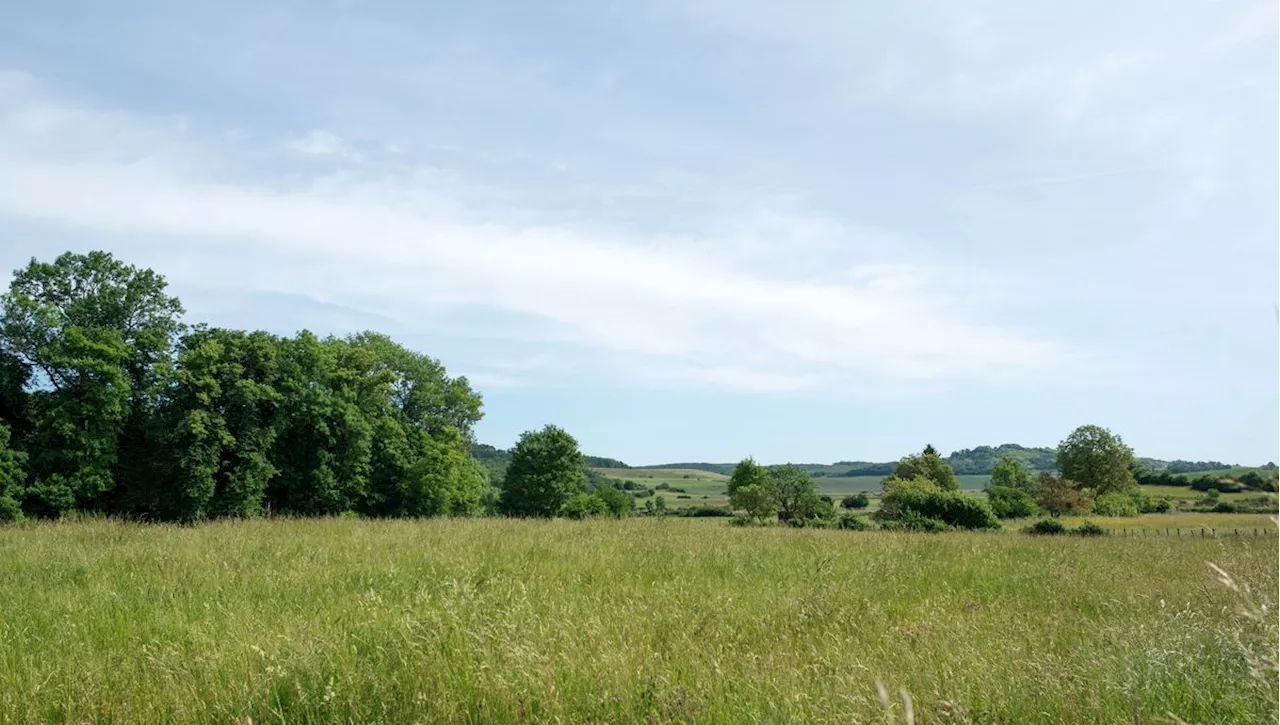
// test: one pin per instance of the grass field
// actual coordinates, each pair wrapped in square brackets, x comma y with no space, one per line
[642,620]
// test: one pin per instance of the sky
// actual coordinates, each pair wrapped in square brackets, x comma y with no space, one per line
[697,230]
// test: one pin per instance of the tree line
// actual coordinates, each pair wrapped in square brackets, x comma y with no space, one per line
[1095,472]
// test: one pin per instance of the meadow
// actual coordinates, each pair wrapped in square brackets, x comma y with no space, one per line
[641,620]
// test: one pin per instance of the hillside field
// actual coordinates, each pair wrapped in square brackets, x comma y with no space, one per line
[641,620]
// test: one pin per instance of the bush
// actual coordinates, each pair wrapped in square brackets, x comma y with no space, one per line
[1115,504]
[1225,507]
[914,521]
[709,511]
[663,486]
[1089,528]
[926,501]
[856,501]
[1160,506]
[1046,527]
[9,510]
[684,495]
[583,506]
[1204,483]
[1011,503]
[854,522]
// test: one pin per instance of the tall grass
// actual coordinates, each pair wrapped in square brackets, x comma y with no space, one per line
[345,620]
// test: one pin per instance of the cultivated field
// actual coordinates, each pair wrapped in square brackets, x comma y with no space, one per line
[641,620]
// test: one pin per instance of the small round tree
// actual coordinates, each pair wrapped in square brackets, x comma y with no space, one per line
[545,470]
[1093,457]
[927,464]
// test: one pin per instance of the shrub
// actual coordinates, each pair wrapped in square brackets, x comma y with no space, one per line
[856,501]
[1011,503]
[1204,483]
[684,495]
[1089,528]
[583,506]
[9,510]
[1046,527]
[709,511]
[854,522]
[914,521]
[663,486]
[1115,504]
[1225,507]
[926,501]
[1160,506]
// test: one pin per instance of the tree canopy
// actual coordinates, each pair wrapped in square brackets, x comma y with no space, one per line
[110,402]
[1097,459]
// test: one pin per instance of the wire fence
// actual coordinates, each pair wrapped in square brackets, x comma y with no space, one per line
[1205,532]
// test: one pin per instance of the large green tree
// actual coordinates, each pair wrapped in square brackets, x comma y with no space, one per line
[216,429]
[545,470]
[332,395]
[1093,457]
[95,335]
[795,493]
[751,489]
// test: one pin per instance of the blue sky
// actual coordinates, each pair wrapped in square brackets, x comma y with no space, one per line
[698,230]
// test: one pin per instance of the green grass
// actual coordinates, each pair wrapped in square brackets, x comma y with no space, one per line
[643,620]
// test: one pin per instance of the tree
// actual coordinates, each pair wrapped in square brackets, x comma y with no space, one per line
[751,489]
[13,474]
[216,429]
[95,335]
[1010,473]
[927,464]
[332,395]
[545,470]
[1010,503]
[1095,458]
[796,495]
[1058,496]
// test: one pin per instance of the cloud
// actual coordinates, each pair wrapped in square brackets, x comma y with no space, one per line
[324,143]
[403,244]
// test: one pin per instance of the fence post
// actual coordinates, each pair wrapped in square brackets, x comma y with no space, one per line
[1202,532]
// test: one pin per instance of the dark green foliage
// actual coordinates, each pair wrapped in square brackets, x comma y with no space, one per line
[909,501]
[13,474]
[1115,503]
[545,470]
[854,522]
[617,503]
[1089,528]
[751,489]
[1009,472]
[1046,527]
[858,500]
[709,511]
[796,495]
[583,506]
[910,520]
[1096,459]
[1011,503]
[1253,480]
[928,465]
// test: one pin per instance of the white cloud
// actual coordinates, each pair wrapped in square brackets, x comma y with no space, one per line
[405,243]
[324,143]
